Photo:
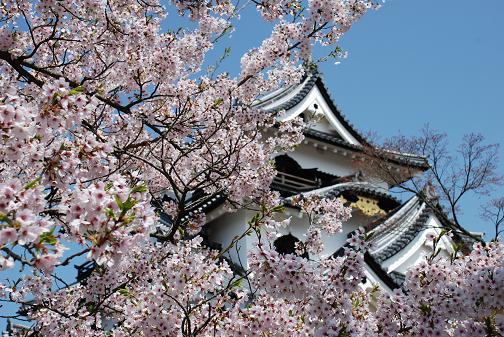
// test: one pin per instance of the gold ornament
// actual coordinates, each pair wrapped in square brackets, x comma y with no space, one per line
[367,206]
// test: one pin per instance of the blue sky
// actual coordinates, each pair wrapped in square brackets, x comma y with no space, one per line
[415,62]
[412,63]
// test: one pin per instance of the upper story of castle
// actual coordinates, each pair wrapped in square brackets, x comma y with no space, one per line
[333,150]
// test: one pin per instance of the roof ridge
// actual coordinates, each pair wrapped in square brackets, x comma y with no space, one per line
[315,77]
[307,84]
[405,237]
[352,129]
[388,222]
[362,186]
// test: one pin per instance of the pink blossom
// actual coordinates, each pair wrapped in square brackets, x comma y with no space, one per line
[7,235]
[112,119]
[6,263]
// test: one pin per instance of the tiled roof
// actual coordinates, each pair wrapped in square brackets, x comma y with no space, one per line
[398,158]
[203,205]
[398,278]
[341,117]
[329,138]
[351,191]
[206,205]
[388,279]
[357,186]
[363,187]
[308,82]
[402,227]
[314,77]
[404,239]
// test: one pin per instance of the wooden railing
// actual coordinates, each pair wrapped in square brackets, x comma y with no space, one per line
[289,182]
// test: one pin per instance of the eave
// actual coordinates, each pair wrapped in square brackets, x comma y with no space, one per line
[400,159]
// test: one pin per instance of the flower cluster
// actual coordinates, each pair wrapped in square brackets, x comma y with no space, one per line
[110,217]
[325,215]
[441,297]
[157,289]
[107,113]
[21,223]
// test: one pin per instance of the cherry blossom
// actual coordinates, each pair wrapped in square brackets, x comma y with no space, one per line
[108,118]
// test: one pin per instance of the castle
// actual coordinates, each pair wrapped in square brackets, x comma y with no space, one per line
[328,163]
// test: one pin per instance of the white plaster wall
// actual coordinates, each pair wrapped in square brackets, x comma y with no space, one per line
[225,228]
[309,157]
[299,226]
[413,260]
[230,225]
[321,157]
[324,126]
[324,159]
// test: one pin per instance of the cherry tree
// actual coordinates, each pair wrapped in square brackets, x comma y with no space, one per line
[103,112]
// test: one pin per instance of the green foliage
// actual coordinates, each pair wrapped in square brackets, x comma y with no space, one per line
[141,188]
[109,212]
[5,218]
[278,209]
[425,309]
[124,291]
[218,102]
[76,90]
[237,284]
[48,237]
[32,184]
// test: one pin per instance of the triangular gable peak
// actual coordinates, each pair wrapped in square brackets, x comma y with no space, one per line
[312,100]
[328,128]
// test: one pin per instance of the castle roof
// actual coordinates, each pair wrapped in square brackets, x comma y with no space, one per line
[399,229]
[288,98]
[312,91]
